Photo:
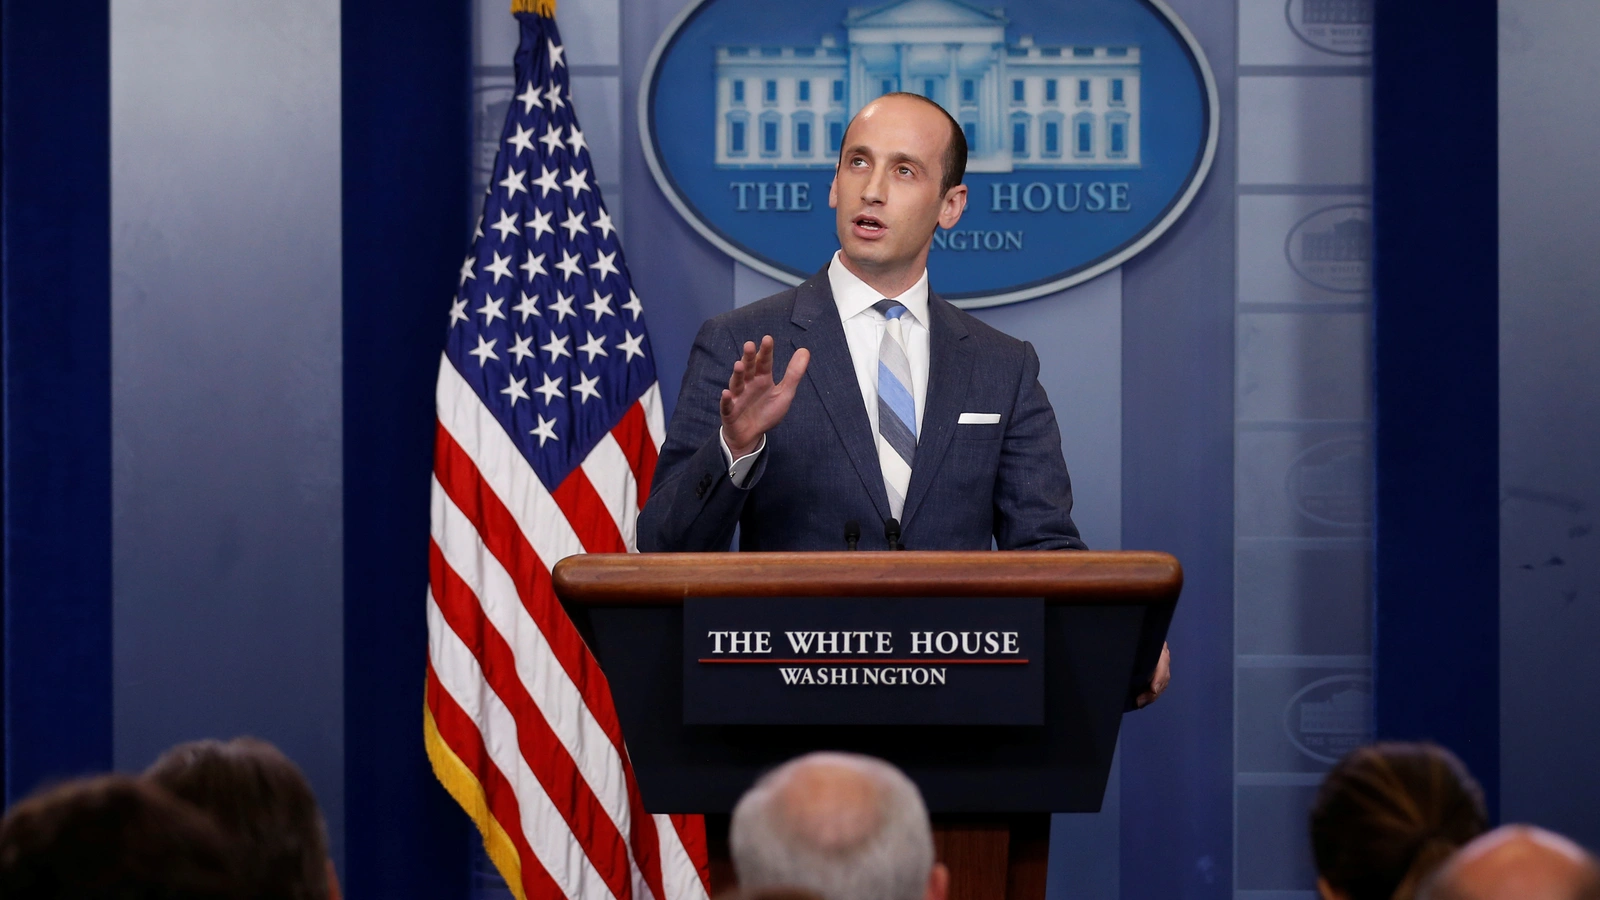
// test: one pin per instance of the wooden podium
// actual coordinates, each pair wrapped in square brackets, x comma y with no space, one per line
[990,789]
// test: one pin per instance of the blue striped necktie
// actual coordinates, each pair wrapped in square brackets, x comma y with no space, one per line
[897,408]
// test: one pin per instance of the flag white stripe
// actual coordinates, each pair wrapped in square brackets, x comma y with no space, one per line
[538,668]
[543,827]
[680,880]
[504,469]
[653,415]
[612,478]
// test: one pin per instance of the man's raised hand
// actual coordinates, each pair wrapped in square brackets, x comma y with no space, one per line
[753,403]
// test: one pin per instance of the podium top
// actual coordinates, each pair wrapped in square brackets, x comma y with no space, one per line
[1060,577]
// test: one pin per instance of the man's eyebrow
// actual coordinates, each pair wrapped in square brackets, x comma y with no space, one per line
[906,157]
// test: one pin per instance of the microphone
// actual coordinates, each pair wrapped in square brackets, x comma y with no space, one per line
[852,534]
[891,532]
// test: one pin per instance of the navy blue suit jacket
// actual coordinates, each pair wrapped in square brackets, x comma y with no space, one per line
[969,483]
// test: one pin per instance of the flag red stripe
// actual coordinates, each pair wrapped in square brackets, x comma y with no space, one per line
[587,513]
[692,833]
[633,435]
[547,758]
[461,734]
[459,477]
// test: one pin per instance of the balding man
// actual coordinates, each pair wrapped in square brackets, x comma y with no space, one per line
[1517,862]
[892,403]
[860,409]
[845,827]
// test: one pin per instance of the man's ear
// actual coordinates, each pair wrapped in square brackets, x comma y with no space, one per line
[938,883]
[833,191]
[333,883]
[955,203]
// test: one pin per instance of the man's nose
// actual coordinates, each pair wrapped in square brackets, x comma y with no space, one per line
[876,188]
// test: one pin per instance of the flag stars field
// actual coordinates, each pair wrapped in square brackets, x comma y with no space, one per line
[577,182]
[528,306]
[522,140]
[507,226]
[571,264]
[530,98]
[552,140]
[540,223]
[547,182]
[522,348]
[563,307]
[500,267]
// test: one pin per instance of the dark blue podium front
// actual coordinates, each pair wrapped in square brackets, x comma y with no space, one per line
[1105,619]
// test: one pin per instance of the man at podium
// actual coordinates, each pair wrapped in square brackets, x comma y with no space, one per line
[862,410]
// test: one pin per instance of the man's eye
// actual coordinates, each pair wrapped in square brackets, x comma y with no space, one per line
[905,170]
[858,161]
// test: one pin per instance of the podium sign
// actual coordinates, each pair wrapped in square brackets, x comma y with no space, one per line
[863,661]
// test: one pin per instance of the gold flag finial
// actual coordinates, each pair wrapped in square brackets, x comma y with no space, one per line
[546,8]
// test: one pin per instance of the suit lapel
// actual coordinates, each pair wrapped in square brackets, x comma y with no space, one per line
[832,374]
[949,371]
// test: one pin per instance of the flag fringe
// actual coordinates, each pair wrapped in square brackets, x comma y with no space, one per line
[546,8]
[461,784]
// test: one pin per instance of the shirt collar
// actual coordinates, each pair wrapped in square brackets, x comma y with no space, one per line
[853,296]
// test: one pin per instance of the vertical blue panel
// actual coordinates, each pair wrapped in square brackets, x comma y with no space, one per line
[1549,415]
[1177,496]
[57,658]
[225,381]
[1436,332]
[405,78]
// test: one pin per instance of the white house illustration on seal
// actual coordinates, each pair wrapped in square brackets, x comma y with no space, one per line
[1021,105]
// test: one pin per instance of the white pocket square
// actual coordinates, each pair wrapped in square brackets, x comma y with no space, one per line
[978,419]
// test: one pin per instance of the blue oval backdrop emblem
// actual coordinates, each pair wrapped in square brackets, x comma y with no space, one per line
[1091,125]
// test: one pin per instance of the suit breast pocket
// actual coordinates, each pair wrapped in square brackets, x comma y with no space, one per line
[986,431]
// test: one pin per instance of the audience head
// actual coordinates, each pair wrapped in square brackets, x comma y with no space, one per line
[1387,816]
[113,838]
[777,893]
[842,826]
[260,798]
[1517,862]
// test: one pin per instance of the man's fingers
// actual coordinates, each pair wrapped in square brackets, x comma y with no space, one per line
[763,358]
[793,373]
[797,367]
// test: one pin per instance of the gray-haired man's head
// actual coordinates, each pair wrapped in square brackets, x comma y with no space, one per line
[1517,862]
[846,827]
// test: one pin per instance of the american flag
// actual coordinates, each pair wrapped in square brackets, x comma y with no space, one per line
[549,423]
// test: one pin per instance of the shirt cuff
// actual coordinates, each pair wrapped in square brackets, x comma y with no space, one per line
[739,469]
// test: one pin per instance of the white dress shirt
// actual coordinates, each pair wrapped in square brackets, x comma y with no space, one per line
[863,333]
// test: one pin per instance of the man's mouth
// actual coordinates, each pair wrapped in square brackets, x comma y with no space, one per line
[870,224]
